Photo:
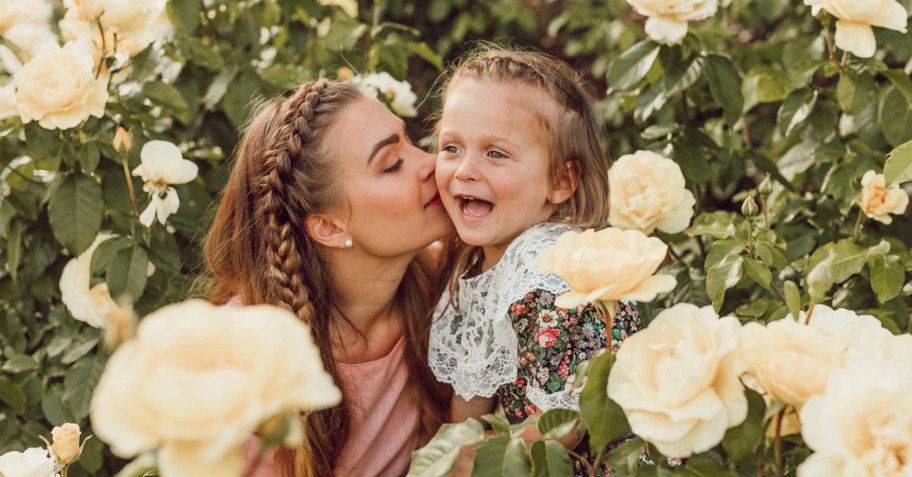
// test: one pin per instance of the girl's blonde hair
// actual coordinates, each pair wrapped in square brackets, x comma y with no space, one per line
[573,129]
[258,249]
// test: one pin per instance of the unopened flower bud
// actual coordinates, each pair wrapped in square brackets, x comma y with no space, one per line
[766,186]
[749,207]
[122,141]
[66,443]
[345,73]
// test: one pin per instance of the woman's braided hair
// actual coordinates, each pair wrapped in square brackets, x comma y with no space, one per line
[258,249]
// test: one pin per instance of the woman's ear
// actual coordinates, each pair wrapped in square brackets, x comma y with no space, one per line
[325,231]
[566,183]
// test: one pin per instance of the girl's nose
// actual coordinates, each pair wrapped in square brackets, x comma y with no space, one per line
[467,169]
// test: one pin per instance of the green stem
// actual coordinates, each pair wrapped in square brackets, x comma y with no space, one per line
[597,464]
[832,49]
[750,238]
[126,170]
[780,463]
[857,229]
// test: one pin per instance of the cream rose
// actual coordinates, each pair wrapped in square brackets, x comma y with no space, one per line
[862,336]
[135,24]
[65,443]
[33,462]
[862,424]
[58,88]
[198,379]
[607,265]
[854,20]
[790,361]
[399,93]
[87,303]
[647,192]
[877,202]
[677,380]
[668,19]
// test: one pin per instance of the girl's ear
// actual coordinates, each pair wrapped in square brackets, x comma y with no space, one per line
[325,231]
[566,183]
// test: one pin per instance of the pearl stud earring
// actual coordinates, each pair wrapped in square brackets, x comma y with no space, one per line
[348,243]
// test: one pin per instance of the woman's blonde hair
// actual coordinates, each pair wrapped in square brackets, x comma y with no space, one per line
[258,249]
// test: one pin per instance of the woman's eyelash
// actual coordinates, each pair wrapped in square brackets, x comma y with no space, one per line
[395,167]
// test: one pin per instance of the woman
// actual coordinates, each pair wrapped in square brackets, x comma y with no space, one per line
[328,212]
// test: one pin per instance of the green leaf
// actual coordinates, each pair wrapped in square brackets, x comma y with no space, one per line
[423,51]
[887,276]
[79,384]
[166,96]
[798,159]
[792,298]
[725,86]
[126,277]
[557,423]
[723,269]
[832,264]
[704,466]
[75,212]
[741,442]
[19,363]
[854,91]
[104,253]
[499,423]
[631,67]
[185,14]
[895,118]
[626,456]
[52,406]
[902,82]
[678,81]
[550,459]
[14,248]
[718,224]
[501,456]
[78,351]
[758,272]
[604,419]
[202,54]
[89,156]
[12,394]
[439,455]
[691,157]
[898,168]
[795,110]
[91,458]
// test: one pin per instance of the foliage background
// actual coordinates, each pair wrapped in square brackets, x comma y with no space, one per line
[751,92]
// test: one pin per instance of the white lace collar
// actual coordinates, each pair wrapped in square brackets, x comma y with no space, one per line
[472,343]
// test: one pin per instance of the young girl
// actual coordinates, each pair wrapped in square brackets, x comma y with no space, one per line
[520,162]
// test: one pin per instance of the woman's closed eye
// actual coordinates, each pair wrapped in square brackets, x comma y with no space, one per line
[395,167]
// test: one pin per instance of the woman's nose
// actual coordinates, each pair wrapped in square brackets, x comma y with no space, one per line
[427,164]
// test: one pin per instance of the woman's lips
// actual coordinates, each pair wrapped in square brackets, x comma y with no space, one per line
[434,200]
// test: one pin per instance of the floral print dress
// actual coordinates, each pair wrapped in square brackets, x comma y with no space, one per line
[552,342]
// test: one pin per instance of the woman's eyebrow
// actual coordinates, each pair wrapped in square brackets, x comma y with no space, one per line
[392,139]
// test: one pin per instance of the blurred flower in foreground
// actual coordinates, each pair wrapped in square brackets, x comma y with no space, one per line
[861,425]
[33,462]
[398,93]
[648,192]
[606,266]
[198,379]
[877,202]
[668,19]
[162,165]
[677,380]
[854,20]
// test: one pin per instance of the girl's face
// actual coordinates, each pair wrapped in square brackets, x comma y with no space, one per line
[391,202]
[492,169]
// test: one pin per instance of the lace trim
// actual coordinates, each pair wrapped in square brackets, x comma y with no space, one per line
[545,402]
[472,343]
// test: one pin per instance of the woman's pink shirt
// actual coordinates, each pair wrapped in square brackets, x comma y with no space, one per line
[385,419]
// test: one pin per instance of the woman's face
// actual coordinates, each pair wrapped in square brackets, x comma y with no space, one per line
[390,201]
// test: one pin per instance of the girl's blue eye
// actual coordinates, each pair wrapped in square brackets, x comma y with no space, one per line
[450,149]
[395,167]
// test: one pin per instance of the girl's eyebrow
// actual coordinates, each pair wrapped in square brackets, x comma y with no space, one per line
[392,139]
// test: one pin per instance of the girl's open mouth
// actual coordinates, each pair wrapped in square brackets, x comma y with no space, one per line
[473,207]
